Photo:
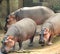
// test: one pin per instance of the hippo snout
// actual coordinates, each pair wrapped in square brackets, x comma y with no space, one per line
[42,43]
[3,51]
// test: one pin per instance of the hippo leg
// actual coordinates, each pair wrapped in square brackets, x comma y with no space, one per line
[14,47]
[50,40]
[20,45]
[31,40]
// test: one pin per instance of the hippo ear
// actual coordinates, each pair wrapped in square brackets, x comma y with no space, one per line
[46,31]
[2,41]
[12,16]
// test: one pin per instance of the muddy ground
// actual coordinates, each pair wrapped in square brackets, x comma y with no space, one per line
[36,48]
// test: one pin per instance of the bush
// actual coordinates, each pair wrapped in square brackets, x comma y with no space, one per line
[56,7]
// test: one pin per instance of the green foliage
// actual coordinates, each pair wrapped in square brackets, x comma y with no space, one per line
[56,8]
[56,4]
[35,1]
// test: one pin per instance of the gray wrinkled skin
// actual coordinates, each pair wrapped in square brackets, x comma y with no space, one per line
[22,30]
[23,27]
[53,23]
[53,26]
[38,13]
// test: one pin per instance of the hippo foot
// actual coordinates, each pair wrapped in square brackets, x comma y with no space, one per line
[30,45]
[49,43]
[12,50]
[22,49]
[19,49]
[41,42]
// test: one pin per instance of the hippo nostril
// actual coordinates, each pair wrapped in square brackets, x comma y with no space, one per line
[42,43]
[3,51]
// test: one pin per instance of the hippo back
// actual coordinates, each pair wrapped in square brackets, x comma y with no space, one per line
[55,21]
[26,26]
[38,13]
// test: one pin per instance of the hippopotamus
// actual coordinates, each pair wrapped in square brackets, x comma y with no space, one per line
[20,31]
[49,29]
[38,13]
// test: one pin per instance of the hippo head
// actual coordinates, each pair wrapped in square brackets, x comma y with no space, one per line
[11,19]
[44,36]
[7,44]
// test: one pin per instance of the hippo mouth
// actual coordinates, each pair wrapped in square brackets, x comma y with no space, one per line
[44,36]
[3,51]
[41,41]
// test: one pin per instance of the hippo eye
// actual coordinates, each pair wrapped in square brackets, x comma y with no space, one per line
[2,42]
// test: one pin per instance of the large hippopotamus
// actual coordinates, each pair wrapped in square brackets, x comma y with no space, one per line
[38,13]
[49,29]
[18,32]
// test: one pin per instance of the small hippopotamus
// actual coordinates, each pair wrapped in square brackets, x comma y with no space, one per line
[18,32]
[38,13]
[49,29]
